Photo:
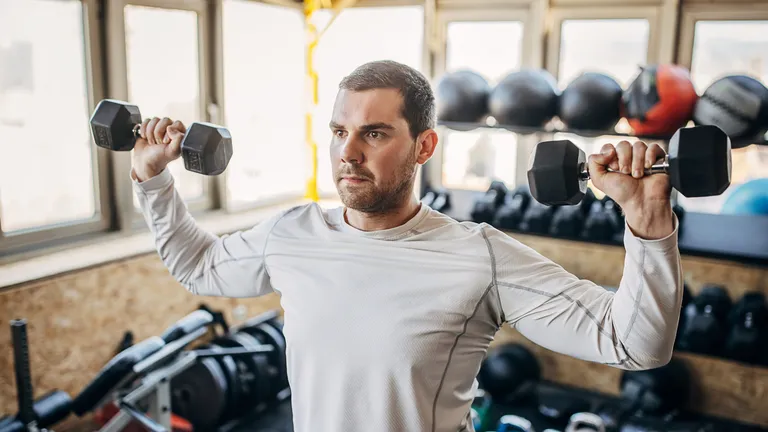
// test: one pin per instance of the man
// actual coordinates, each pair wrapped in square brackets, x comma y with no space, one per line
[389,306]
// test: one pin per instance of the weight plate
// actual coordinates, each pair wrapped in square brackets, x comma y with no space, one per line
[268,334]
[199,394]
[229,367]
[252,371]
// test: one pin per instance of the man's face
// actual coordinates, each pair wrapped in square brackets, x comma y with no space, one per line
[373,154]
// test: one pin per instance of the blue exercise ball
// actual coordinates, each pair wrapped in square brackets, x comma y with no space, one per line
[748,198]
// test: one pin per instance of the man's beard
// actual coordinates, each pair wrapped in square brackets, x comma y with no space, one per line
[369,198]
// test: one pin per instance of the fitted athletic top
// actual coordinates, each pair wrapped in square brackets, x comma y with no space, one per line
[386,330]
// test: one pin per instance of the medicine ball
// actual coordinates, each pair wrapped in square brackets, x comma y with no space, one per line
[737,104]
[509,373]
[749,198]
[525,98]
[660,100]
[462,96]
[591,102]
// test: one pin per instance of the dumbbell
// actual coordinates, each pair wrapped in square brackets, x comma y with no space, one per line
[568,221]
[512,209]
[706,321]
[748,333]
[206,148]
[485,207]
[585,421]
[439,200]
[698,163]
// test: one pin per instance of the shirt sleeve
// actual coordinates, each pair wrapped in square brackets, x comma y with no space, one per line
[231,265]
[631,328]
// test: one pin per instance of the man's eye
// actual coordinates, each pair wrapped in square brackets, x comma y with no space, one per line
[339,133]
[376,135]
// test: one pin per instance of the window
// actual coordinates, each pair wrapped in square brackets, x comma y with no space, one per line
[357,36]
[615,47]
[724,48]
[491,48]
[265,101]
[162,53]
[47,171]
[471,160]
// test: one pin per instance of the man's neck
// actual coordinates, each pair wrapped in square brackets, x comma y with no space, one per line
[382,221]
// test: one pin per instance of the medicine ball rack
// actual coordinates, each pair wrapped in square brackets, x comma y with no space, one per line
[719,236]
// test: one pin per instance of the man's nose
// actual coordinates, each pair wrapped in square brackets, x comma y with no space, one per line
[352,150]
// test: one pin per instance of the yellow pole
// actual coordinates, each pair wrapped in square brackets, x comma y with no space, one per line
[313,38]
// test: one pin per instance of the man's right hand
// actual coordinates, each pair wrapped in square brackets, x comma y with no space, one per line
[158,145]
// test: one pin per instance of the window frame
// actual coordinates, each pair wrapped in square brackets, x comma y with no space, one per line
[15,242]
[558,15]
[129,218]
[693,13]
[531,15]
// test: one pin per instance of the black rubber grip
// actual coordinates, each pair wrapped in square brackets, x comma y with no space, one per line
[23,375]
[188,324]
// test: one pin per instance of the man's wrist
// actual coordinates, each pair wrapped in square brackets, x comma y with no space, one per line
[143,174]
[652,220]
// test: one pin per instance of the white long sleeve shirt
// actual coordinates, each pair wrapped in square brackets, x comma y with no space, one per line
[386,330]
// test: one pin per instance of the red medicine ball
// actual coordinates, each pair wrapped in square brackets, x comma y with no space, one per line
[660,100]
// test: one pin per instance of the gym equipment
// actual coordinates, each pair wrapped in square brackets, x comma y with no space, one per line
[206,148]
[268,334]
[737,104]
[659,100]
[591,102]
[509,215]
[750,198]
[706,321]
[656,392]
[509,373]
[599,225]
[527,97]
[698,163]
[481,405]
[687,297]
[560,408]
[437,199]
[585,421]
[513,423]
[462,96]
[568,221]
[748,333]
[142,382]
[485,207]
[537,218]
[33,415]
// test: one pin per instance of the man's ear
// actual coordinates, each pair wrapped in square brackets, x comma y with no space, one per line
[426,143]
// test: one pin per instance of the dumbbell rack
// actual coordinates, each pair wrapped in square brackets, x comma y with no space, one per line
[719,236]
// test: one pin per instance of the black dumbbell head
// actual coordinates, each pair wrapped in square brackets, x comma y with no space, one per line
[700,161]
[554,173]
[206,149]
[112,125]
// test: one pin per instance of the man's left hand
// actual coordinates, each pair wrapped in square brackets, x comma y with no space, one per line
[645,199]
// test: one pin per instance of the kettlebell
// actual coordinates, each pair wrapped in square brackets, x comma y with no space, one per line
[706,321]
[748,333]
[585,421]
[511,211]
[485,207]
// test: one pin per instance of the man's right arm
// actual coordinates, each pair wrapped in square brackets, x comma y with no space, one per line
[205,264]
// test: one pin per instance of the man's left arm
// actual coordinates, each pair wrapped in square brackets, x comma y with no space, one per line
[632,328]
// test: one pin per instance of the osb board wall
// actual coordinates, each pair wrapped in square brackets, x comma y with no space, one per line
[76,321]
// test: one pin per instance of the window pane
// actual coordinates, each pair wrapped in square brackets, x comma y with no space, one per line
[46,168]
[492,49]
[473,159]
[265,103]
[615,47]
[164,74]
[357,36]
[725,48]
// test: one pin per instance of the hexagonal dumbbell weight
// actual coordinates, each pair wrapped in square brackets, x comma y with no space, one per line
[698,163]
[206,148]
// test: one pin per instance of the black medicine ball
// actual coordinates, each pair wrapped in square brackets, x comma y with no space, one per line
[737,104]
[591,102]
[462,96]
[525,98]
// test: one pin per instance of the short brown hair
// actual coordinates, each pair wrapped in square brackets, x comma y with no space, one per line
[418,100]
